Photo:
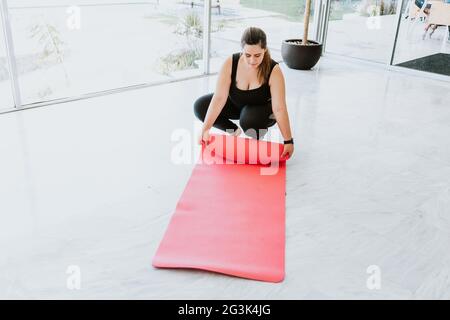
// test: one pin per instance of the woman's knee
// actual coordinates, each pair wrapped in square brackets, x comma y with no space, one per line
[251,123]
[253,128]
[254,117]
[201,106]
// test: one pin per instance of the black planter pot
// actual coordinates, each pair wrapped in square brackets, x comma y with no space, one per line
[297,56]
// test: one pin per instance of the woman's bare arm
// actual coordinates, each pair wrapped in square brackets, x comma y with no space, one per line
[279,107]
[220,95]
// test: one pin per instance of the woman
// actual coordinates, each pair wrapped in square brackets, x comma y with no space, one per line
[432,26]
[250,87]
[419,4]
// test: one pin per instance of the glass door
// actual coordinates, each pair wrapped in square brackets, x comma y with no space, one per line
[423,40]
[363,29]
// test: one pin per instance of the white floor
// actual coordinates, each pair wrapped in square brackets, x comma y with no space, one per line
[89,187]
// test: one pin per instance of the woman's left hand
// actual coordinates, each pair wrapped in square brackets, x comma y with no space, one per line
[287,151]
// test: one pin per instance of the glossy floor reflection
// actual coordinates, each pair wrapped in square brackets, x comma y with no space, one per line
[88,187]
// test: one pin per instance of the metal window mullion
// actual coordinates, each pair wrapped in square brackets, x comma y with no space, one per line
[321,16]
[10,57]
[397,30]
[325,20]
[206,36]
[318,20]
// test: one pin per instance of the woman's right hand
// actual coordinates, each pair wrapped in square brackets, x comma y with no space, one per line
[204,137]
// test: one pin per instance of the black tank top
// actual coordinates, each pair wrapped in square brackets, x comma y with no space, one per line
[257,96]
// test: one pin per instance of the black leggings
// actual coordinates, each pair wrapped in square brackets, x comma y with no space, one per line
[253,119]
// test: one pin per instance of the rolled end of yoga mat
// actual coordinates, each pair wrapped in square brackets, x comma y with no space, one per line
[239,150]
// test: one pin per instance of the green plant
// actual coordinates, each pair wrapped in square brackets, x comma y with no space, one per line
[392,7]
[179,60]
[373,8]
[190,25]
[52,45]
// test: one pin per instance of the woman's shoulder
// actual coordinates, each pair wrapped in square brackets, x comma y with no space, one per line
[275,74]
[227,64]
[273,65]
[273,62]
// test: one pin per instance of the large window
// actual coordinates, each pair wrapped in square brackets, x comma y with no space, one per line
[423,41]
[282,19]
[6,100]
[64,48]
[68,48]
[362,29]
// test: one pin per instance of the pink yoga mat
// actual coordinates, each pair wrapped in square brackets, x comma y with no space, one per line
[230,218]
